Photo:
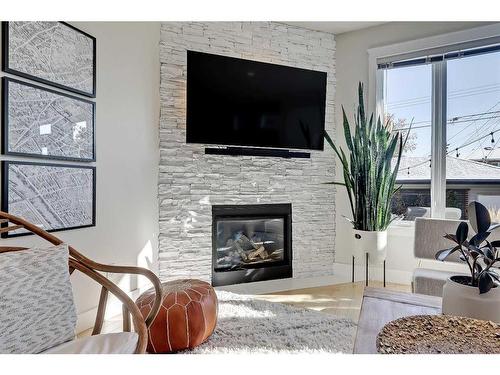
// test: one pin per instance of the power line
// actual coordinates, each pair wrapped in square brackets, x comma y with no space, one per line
[454,120]
[449,152]
[478,128]
[416,102]
[451,93]
[476,140]
[492,148]
[466,119]
[480,144]
[414,166]
[448,122]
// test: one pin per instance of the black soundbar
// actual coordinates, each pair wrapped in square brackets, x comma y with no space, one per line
[248,151]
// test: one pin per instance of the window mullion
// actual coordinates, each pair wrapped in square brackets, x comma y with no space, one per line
[438,146]
[380,95]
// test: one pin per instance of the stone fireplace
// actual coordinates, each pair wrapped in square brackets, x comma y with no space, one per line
[251,243]
[191,182]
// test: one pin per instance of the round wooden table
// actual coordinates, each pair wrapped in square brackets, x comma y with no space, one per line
[434,334]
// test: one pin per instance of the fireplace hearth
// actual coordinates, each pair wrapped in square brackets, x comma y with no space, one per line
[251,243]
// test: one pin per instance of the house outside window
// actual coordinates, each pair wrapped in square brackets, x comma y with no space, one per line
[449,100]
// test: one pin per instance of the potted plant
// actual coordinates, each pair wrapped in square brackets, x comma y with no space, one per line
[370,172]
[477,295]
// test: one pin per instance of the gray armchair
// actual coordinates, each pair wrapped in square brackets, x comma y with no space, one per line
[428,240]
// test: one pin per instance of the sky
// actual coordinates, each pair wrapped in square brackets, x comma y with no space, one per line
[473,86]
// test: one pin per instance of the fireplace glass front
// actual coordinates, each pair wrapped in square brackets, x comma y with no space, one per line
[249,242]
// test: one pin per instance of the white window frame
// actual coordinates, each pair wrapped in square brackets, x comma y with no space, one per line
[440,44]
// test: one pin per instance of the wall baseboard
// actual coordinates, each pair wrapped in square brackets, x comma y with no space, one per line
[271,286]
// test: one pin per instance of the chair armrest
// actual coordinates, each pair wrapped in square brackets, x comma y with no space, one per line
[136,271]
[108,285]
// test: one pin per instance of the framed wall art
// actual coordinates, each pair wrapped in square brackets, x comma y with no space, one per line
[39,122]
[53,196]
[54,53]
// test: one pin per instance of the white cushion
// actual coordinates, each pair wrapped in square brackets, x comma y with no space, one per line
[109,343]
[37,310]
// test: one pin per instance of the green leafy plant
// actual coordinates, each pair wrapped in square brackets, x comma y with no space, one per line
[369,172]
[479,258]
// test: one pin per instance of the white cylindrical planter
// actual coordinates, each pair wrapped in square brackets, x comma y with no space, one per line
[372,242]
[465,300]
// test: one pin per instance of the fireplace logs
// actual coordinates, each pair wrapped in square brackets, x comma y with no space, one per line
[248,251]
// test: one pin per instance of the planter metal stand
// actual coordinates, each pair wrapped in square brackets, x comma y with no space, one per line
[366,269]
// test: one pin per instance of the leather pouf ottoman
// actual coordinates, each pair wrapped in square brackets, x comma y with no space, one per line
[187,316]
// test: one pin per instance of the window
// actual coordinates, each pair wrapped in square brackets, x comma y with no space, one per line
[452,101]
[407,93]
[472,138]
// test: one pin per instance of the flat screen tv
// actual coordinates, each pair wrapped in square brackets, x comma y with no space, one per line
[240,102]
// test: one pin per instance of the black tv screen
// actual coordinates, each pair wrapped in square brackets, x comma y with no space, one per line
[248,103]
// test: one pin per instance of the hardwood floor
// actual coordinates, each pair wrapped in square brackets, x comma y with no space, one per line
[339,299]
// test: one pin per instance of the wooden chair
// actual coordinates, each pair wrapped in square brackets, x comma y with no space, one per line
[90,268]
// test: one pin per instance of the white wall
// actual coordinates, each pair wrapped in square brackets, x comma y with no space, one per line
[352,67]
[127,106]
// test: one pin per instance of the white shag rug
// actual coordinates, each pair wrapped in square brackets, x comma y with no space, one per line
[247,325]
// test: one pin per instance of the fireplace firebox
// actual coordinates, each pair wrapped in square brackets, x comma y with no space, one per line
[251,243]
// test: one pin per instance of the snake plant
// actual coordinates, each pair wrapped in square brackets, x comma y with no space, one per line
[371,168]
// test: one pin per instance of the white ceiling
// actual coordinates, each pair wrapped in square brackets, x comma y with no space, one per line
[334,27]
